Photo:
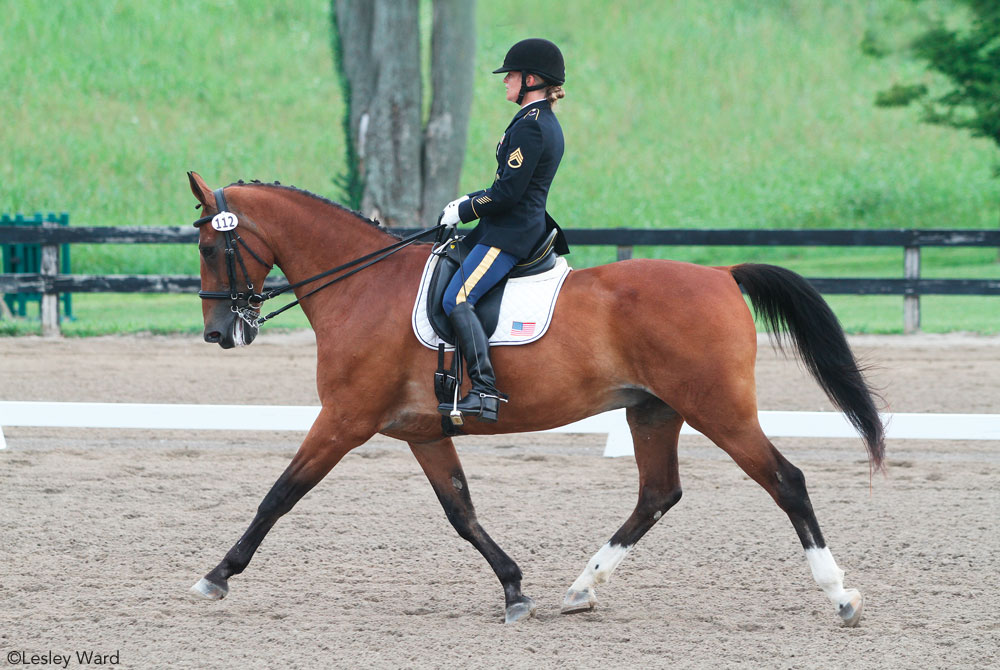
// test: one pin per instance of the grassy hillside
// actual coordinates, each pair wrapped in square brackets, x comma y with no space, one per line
[738,113]
[107,105]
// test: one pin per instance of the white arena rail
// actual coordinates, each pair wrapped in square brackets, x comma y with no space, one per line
[286,417]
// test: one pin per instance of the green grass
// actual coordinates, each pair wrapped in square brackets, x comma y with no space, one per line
[107,104]
[730,114]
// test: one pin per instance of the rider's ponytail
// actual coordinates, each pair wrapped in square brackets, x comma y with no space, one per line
[554,93]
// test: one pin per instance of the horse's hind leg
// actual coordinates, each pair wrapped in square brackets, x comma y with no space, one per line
[319,452]
[755,454]
[444,471]
[655,428]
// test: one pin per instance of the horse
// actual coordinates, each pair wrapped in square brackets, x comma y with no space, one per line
[670,342]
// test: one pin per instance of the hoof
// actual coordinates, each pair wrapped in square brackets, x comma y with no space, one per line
[210,590]
[850,611]
[520,610]
[579,601]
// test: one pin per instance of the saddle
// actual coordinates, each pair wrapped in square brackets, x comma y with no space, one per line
[541,259]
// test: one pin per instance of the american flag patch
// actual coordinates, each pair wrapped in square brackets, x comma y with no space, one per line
[523,328]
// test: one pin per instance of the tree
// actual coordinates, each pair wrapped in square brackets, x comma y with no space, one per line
[970,59]
[400,170]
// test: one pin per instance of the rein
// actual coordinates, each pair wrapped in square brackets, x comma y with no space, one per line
[247,305]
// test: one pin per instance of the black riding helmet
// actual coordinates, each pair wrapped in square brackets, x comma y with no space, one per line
[535,56]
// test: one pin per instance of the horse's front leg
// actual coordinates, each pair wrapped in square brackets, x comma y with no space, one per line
[319,452]
[444,471]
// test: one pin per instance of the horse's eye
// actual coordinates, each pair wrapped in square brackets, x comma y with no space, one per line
[207,252]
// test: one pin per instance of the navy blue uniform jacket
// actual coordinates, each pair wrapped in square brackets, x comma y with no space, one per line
[511,212]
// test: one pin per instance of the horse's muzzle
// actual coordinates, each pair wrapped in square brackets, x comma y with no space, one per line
[236,333]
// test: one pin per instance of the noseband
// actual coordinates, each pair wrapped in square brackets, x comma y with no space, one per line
[245,304]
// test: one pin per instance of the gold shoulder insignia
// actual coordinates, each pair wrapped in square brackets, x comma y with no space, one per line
[532,113]
[515,158]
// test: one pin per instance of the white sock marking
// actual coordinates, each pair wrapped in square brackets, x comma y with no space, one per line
[826,573]
[600,566]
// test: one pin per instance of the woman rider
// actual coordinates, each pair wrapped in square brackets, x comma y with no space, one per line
[511,212]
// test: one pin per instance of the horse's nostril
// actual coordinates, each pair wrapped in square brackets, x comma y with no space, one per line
[213,337]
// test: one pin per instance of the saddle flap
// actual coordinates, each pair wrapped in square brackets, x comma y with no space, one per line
[488,308]
[516,311]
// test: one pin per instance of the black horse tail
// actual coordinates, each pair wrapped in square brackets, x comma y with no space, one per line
[789,304]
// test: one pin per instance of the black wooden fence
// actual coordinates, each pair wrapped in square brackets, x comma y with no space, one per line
[50,283]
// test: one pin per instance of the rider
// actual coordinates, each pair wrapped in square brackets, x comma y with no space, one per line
[511,212]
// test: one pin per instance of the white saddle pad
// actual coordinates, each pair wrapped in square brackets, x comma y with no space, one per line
[525,311]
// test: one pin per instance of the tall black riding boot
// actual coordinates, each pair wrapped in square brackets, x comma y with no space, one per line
[484,399]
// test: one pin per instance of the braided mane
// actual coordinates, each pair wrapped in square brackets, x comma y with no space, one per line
[326,201]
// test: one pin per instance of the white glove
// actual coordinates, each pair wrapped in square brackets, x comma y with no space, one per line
[449,215]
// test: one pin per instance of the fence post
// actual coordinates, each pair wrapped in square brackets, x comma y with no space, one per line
[64,266]
[911,302]
[26,263]
[624,253]
[50,299]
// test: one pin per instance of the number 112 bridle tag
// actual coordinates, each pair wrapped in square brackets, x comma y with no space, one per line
[224,221]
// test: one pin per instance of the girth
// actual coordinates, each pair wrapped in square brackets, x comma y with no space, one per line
[541,259]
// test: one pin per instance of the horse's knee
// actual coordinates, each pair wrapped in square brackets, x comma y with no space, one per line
[654,504]
[278,501]
[461,515]
[464,525]
[673,498]
[271,506]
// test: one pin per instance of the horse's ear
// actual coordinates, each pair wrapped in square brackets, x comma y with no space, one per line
[200,188]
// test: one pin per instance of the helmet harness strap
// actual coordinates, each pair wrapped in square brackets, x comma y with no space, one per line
[525,88]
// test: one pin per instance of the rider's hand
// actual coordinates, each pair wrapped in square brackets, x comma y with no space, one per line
[449,215]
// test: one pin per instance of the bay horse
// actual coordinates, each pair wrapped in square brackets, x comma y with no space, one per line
[671,342]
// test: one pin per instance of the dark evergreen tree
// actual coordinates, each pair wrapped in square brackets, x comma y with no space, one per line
[970,59]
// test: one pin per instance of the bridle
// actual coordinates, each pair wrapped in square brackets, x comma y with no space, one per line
[247,304]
